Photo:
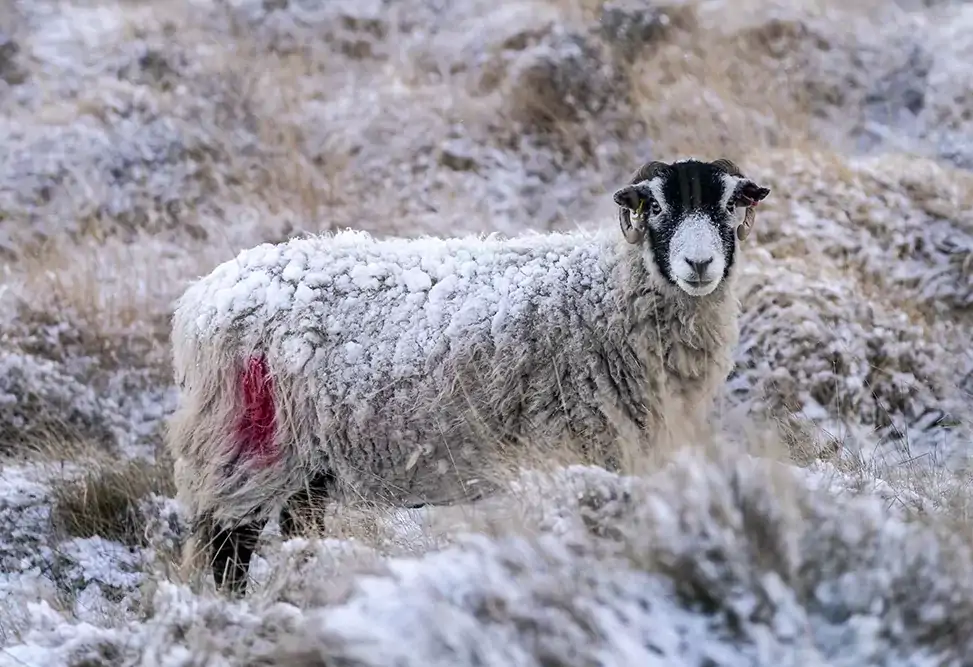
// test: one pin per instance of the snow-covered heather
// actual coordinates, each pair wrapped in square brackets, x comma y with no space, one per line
[145,142]
[706,562]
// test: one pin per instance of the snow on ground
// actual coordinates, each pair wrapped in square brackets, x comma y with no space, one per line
[146,142]
[704,563]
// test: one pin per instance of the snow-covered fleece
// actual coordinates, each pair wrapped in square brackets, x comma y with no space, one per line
[401,366]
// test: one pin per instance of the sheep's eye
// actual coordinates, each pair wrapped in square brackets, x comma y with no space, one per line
[654,207]
[731,207]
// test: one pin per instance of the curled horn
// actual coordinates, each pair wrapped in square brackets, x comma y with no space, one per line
[743,231]
[729,167]
[646,172]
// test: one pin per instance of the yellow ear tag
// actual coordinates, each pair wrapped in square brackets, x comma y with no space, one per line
[638,211]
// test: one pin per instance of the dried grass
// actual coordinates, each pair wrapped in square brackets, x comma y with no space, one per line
[107,501]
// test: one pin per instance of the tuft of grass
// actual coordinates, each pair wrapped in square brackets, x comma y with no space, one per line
[105,300]
[106,501]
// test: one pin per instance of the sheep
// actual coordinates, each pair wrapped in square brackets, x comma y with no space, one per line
[344,364]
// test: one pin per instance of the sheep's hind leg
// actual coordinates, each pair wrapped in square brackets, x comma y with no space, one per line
[233,550]
[255,433]
[289,522]
[303,503]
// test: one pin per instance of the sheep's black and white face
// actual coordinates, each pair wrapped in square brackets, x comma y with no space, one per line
[688,212]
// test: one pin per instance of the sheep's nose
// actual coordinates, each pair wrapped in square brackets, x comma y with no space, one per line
[699,265]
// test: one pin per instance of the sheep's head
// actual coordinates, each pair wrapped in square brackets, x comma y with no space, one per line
[691,213]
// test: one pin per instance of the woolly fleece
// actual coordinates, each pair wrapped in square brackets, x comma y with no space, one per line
[401,366]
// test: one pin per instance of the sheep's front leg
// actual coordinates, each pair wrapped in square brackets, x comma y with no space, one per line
[233,550]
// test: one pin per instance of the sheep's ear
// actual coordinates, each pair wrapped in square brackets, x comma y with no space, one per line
[631,200]
[748,193]
[632,197]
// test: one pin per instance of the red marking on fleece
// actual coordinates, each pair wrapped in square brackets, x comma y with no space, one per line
[256,426]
